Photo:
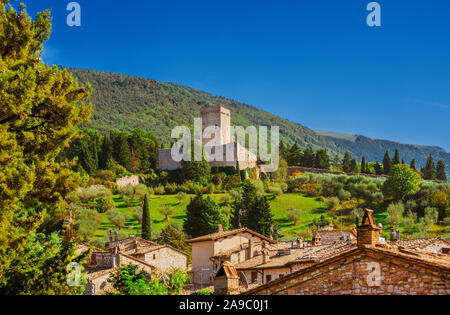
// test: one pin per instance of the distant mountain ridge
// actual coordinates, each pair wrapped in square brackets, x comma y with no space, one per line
[124,103]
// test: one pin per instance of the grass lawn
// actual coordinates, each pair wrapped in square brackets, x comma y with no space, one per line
[310,207]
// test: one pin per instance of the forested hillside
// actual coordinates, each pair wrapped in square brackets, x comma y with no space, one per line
[124,103]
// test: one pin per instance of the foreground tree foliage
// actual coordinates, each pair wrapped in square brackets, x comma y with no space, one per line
[128,280]
[39,107]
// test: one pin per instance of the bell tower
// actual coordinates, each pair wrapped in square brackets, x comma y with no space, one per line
[216,116]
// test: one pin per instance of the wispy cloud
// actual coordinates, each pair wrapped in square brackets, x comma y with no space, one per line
[49,55]
[433,104]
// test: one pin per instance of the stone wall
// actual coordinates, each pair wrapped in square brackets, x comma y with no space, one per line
[166,258]
[364,275]
[129,180]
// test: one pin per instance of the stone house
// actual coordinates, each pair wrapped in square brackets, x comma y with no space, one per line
[210,251]
[330,237]
[371,268]
[148,256]
[162,257]
[270,265]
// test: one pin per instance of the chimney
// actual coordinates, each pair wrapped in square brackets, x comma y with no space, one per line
[251,249]
[299,242]
[368,231]
[110,236]
[220,228]
[317,240]
[266,256]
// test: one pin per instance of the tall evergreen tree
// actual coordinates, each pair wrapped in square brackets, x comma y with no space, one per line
[308,158]
[260,217]
[363,165]
[396,159]
[429,172]
[387,164]
[106,152]
[241,206]
[353,166]
[440,171]
[203,216]
[322,160]
[146,221]
[122,152]
[413,164]
[378,169]
[346,162]
[175,238]
[294,155]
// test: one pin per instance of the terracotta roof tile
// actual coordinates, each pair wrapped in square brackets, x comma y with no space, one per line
[219,235]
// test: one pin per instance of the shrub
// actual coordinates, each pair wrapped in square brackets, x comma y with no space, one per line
[180,197]
[166,211]
[160,190]
[87,194]
[395,212]
[140,190]
[332,203]
[226,199]
[294,215]
[431,216]
[127,190]
[105,204]
[276,190]
[171,189]
[344,195]
[137,213]
[117,218]
[106,176]
[211,188]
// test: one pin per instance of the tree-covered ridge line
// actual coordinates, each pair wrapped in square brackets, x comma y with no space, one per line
[124,103]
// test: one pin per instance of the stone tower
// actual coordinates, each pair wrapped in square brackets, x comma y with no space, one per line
[216,116]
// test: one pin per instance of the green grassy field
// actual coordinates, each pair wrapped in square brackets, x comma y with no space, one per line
[310,207]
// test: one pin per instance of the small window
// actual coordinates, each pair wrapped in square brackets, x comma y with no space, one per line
[254,277]
[268,278]
[154,256]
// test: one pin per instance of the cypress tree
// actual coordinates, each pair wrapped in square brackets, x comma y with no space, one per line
[440,171]
[363,165]
[429,172]
[413,164]
[346,162]
[396,159]
[387,164]
[353,166]
[146,221]
[260,217]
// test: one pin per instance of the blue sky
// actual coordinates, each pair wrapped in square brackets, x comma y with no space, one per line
[314,62]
